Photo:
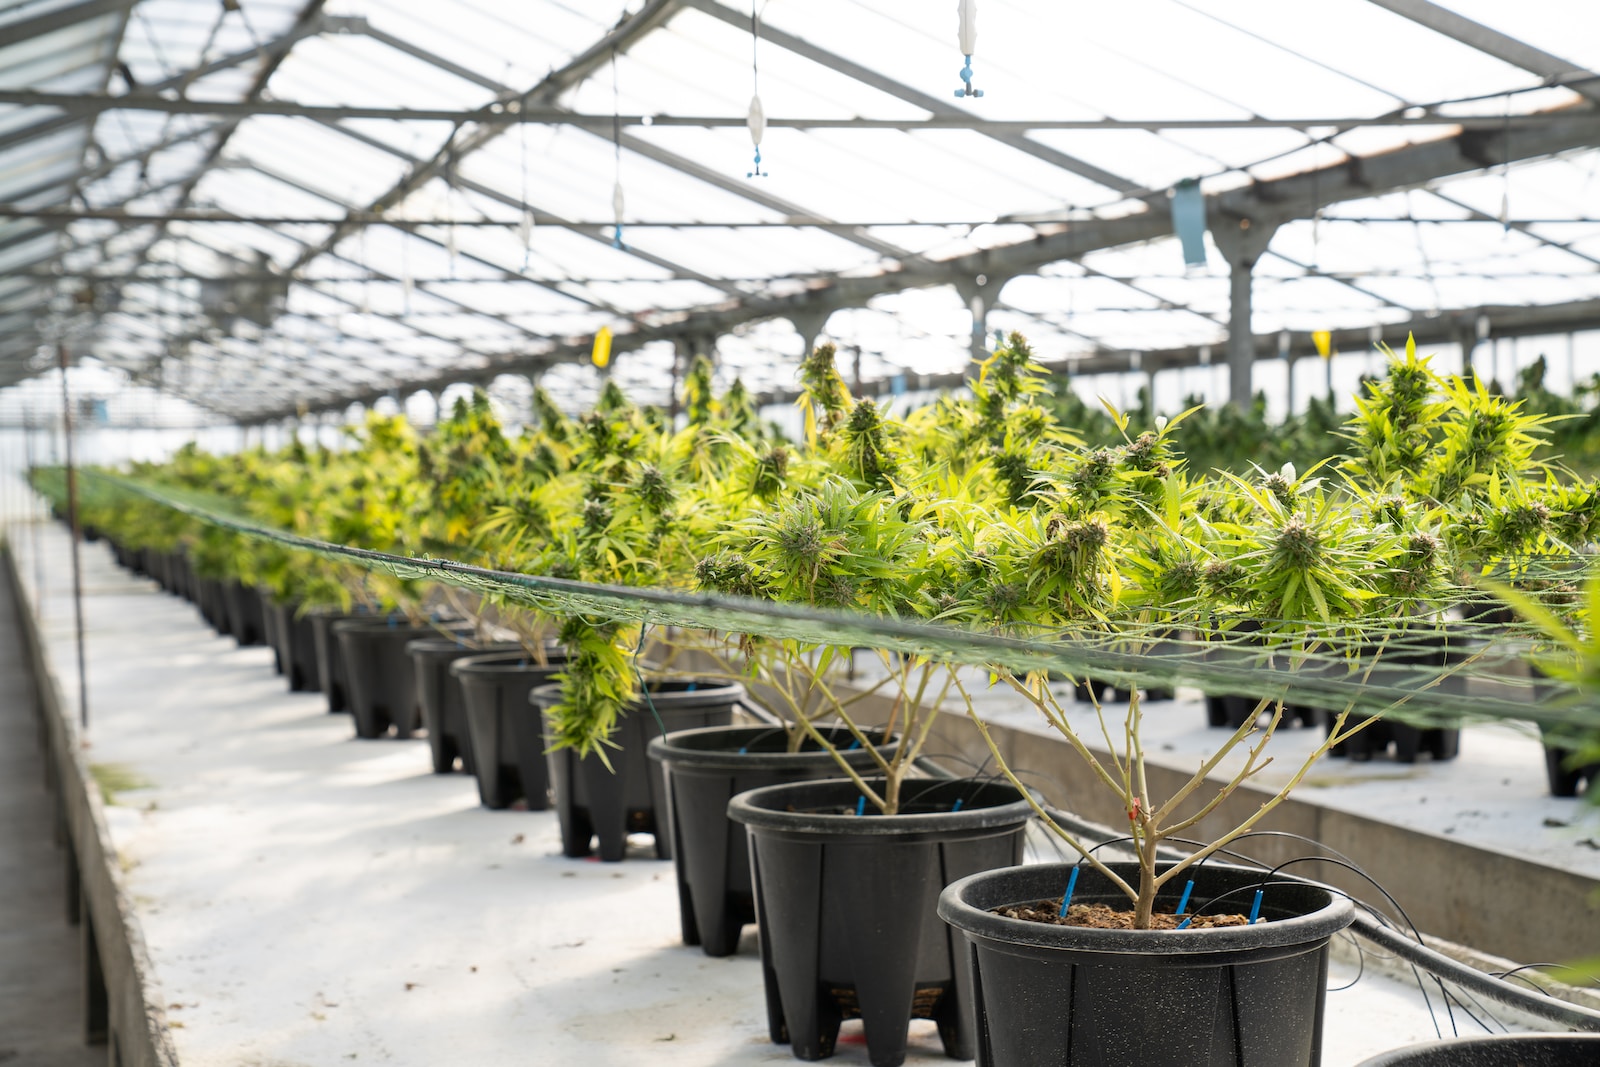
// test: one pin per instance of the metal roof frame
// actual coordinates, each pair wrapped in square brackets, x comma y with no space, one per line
[1482,143]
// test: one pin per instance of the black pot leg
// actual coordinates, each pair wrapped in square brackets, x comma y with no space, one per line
[1407,742]
[1563,782]
[443,750]
[686,920]
[608,813]
[810,1020]
[1444,743]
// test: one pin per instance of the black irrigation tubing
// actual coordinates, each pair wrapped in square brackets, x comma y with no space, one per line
[1221,667]
[1540,1005]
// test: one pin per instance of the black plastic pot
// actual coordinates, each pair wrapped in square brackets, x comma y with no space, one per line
[297,644]
[330,659]
[1066,996]
[846,907]
[439,695]
[1404,740]
[593,803]
[505,731]
[272,630]
[213,606]
[704,770]
[1498,1050]
[380,683]
[245,620]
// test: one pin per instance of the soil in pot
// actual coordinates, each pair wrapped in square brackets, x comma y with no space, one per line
[846,906]
[297,643]
[594,804]
[1228,996]
[439,694]
[381,685]
[245,620]
[505,731]
[704,770]
[329,656]
[1498,1050]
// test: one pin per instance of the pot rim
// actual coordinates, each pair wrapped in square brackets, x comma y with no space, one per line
[979,923]
[439,643]
[506,661]
[1401,1056]
[715,692]
[759,810]
[670,749]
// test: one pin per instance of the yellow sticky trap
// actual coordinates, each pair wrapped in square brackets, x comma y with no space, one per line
[602,347]
[1323,339]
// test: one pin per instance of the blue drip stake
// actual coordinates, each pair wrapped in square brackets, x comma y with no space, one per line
[1255,907]
[1185,924]
[855,743]
[1072,885]
[1183,901]
[957,805]
[861,806]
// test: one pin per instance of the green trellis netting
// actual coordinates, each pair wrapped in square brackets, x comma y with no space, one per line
[1419,668]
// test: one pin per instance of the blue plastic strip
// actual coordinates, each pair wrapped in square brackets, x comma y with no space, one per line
[1189,221]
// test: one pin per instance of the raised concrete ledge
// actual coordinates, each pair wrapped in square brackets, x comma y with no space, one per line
[123,1004]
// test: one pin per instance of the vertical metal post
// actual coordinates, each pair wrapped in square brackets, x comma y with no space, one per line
[77,537]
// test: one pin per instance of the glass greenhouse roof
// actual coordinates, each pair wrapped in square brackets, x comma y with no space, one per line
[274,206]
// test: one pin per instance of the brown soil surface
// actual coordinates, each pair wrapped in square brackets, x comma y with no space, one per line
[1105,917]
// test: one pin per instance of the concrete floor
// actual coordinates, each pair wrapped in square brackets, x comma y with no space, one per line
[310,899]
[41,974]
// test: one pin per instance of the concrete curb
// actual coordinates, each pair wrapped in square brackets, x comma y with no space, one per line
[122,1002]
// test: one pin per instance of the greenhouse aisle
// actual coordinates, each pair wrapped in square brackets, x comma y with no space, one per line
[309,899]
[41,975]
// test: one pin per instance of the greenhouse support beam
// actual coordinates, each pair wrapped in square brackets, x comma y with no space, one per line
[1276,201]
[78,106]
[1507,49]
[1241,242]
[60,18]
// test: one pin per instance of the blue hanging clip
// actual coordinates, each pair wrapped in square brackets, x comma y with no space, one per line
[758,172]
[966,77]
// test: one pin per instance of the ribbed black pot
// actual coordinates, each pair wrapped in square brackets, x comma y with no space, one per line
[1498,1050]
[704,770]
[846,907]
[1066,996]
[297,644]
[380,683]
[505,731]
[439,695]
[245,620]
[330,659]
[593,803]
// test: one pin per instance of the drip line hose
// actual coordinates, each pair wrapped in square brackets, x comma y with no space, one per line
[1539,1004]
